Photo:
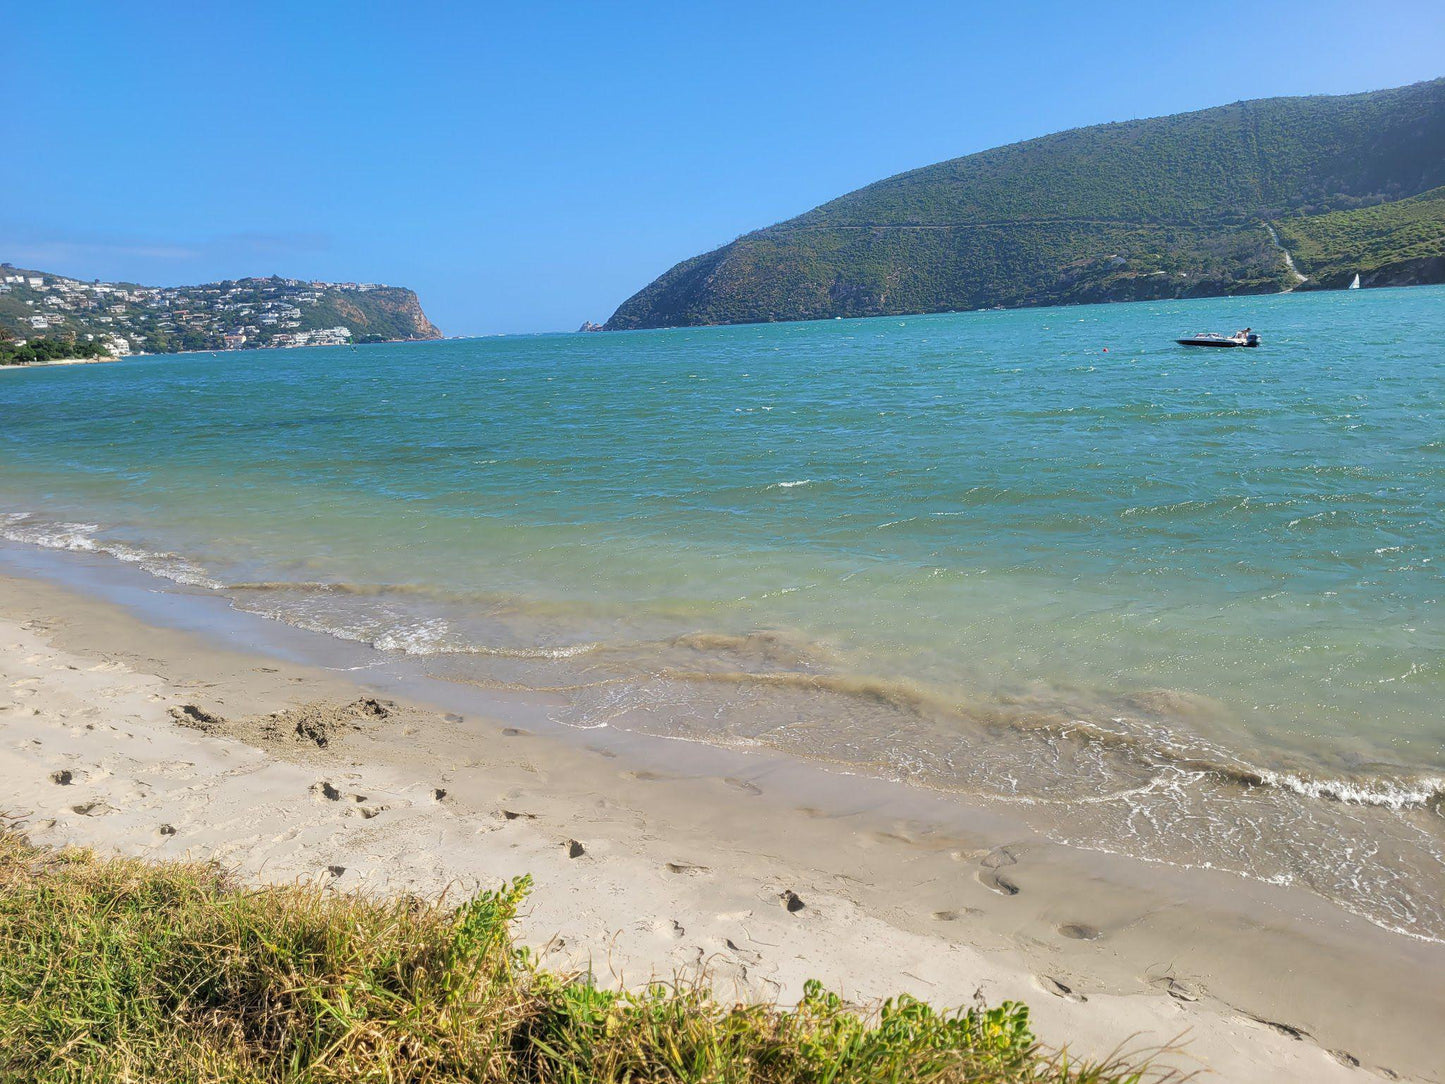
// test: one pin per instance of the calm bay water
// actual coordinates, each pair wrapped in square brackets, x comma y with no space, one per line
[1184,604]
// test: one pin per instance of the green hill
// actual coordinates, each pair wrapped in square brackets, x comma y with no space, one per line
[1165,207]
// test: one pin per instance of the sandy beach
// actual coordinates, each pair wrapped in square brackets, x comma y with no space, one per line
[103,360]
[654,858]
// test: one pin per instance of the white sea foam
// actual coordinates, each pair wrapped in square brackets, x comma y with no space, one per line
[791,485]
[434,636]
[83,538]
[1389,794]
[421,638]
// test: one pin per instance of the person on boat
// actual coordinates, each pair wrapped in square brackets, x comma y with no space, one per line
[1241,336]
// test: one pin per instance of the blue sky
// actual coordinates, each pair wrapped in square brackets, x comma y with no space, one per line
[527,166]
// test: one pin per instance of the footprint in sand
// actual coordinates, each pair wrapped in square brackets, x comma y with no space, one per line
[994,880]
[890,837]
[954,916]
[1288,1030]
[574,849]
[747,954]
[792,901]
[166,830]
[990,874]
[1078,931]
[743,785]
[515,815]
[62,778]
[1177,988]
[189,715]
[93,809]
[511,732]
[684,869]
[1058,988]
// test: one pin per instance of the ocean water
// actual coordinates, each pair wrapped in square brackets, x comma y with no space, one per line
[1182,604]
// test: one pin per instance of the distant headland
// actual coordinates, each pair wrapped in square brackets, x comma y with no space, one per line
[42,312]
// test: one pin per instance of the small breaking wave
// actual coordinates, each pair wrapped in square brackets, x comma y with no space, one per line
[26,528]
[421,638]
[1391,794]
[1162,747]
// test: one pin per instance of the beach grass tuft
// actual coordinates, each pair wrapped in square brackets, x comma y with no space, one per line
[115,969]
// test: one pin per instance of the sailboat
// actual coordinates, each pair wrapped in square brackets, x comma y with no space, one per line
[1355,285]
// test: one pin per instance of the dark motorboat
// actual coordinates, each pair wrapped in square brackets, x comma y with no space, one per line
[1209,338]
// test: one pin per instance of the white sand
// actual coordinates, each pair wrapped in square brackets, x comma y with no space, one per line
[674,872]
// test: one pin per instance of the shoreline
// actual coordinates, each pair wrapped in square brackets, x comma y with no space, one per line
[686,851]
[987,754]
[64,361]
[216,352]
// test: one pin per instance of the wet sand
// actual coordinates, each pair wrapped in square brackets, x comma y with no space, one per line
[653,857]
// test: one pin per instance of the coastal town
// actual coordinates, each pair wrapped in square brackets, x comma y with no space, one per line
[250,313]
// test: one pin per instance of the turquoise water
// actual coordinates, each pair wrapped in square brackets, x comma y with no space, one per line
[1180,603]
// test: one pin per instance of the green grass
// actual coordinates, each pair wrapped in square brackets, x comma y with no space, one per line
[1339,244]
[122,970]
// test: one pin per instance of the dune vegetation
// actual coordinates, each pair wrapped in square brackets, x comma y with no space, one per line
[124,970]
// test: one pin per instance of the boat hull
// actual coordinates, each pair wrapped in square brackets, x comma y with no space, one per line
[1212,342]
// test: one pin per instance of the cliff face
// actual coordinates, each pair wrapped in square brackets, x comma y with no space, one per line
[1418,272]
[387,312]
[1167,207]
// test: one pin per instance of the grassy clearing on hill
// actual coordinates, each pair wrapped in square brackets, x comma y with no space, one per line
[1345,242]
[123,970]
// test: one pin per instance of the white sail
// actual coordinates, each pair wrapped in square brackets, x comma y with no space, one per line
[1355,285]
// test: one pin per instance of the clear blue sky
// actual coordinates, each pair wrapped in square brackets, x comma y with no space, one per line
[528,165]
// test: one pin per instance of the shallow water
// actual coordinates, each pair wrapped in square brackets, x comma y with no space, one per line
[1183,604]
